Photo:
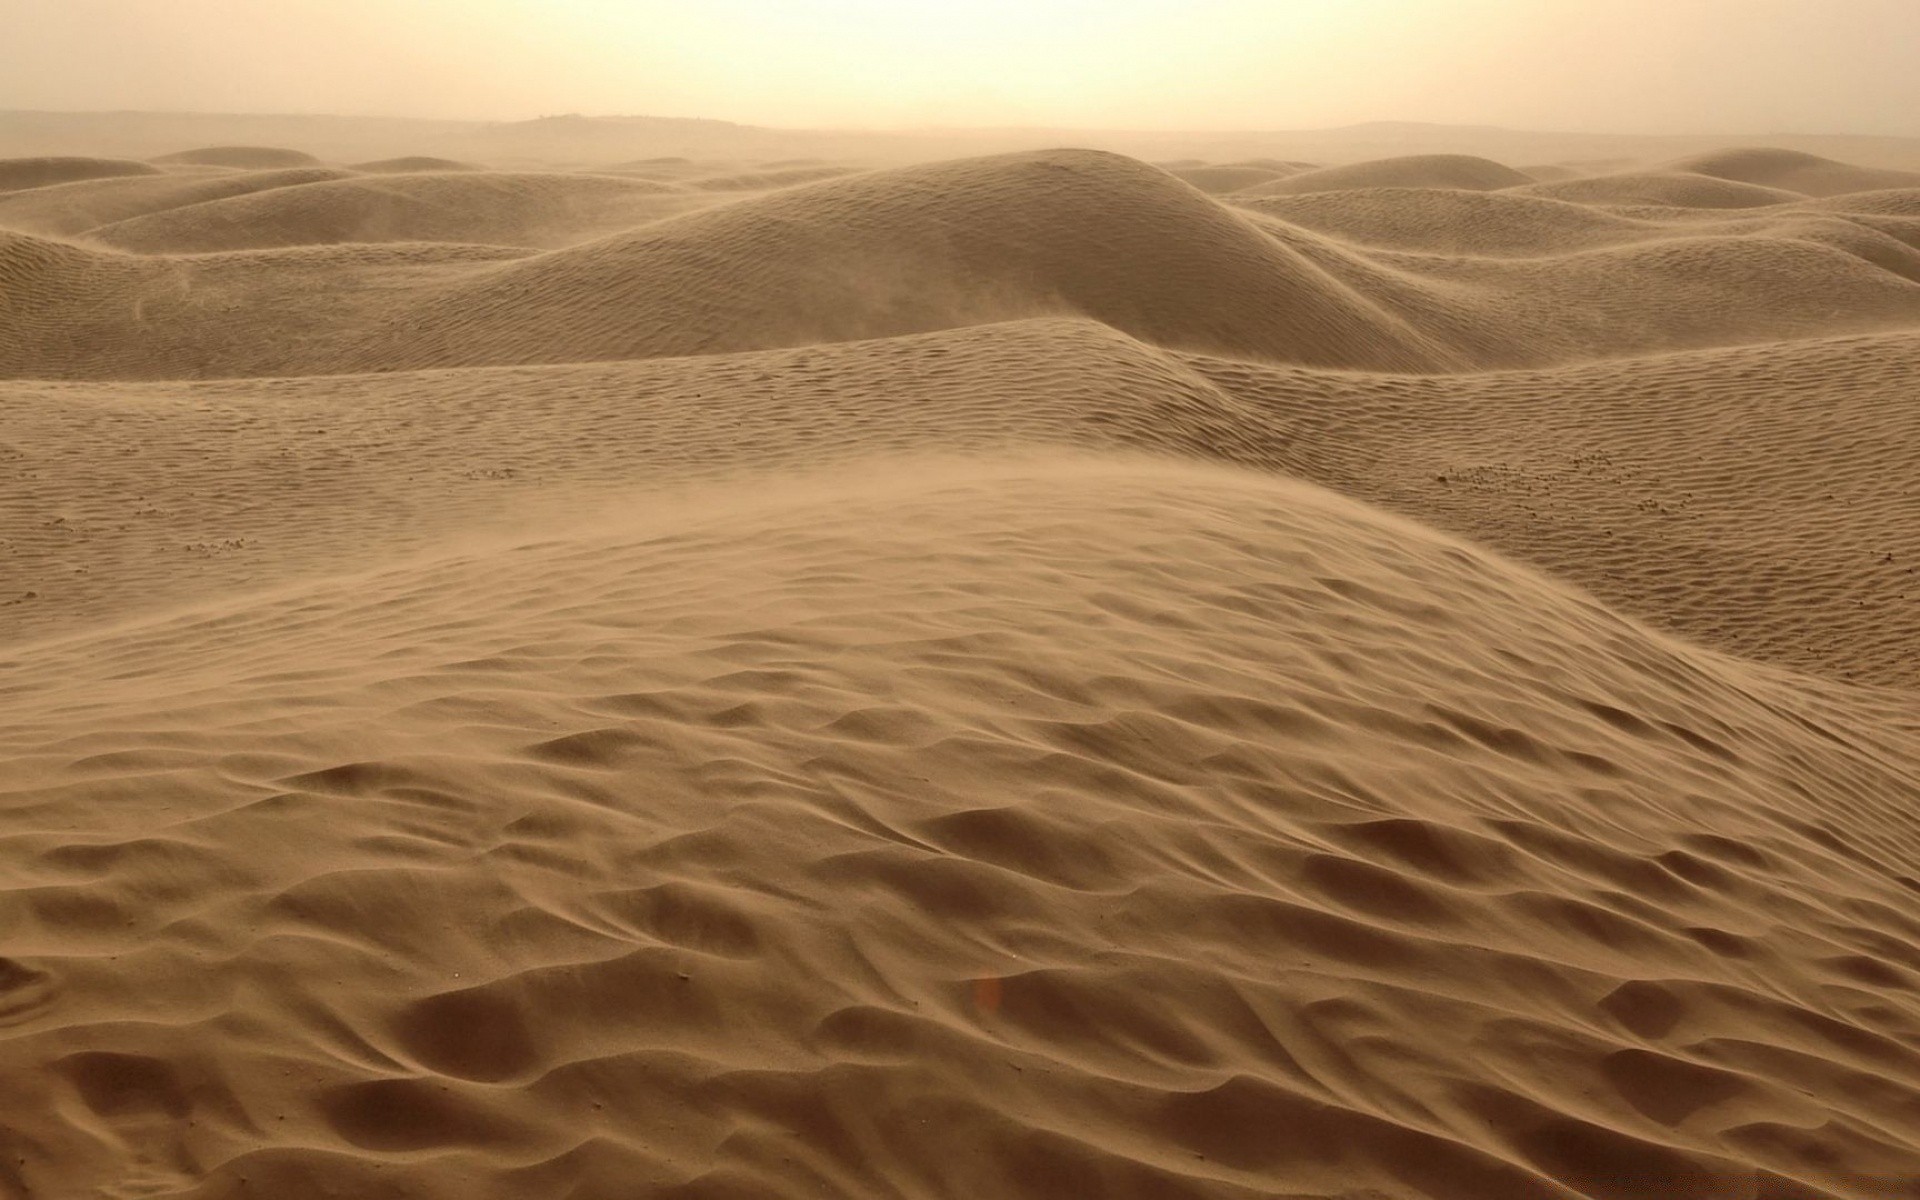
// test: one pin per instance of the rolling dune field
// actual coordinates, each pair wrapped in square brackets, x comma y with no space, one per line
[1028,675]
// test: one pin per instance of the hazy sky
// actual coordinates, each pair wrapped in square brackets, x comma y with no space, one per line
[1716,66]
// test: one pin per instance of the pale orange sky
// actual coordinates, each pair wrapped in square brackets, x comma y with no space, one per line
[1658,66]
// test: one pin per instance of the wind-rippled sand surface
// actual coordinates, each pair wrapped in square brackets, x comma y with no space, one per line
[1035,675]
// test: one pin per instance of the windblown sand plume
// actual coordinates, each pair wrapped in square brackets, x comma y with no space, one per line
[1027,675]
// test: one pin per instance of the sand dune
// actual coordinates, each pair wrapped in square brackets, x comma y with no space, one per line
[526,209]
[245,158]
[666,166]
[1048,862]
[1220,180]
[1279,166]
[1879,227]
[409,164]
[1693,286]
[1891,202]
[1003,677]
[1795,171]
[1415,170]
[1458,222]
[1606,486]
[76,208]
[76,312]
[911,250]
[19,173]
[1663,189]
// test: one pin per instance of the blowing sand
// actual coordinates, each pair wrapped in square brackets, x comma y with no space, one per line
[1035,675]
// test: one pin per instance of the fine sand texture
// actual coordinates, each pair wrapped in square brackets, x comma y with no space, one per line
[1031,675]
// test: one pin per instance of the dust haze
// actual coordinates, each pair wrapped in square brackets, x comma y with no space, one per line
[1628,66]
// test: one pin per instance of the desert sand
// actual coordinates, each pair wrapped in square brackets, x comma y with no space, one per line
[781,671]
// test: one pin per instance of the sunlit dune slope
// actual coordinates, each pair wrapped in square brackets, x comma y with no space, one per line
[1113,830]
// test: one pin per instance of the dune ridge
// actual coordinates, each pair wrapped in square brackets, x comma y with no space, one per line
[914,249]
[1033,675]
[1662,189]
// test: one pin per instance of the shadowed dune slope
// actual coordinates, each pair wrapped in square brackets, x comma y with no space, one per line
[245,158]
[18,173]
[1796,171]
[1460,171]
[482,207]
[1100,829]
